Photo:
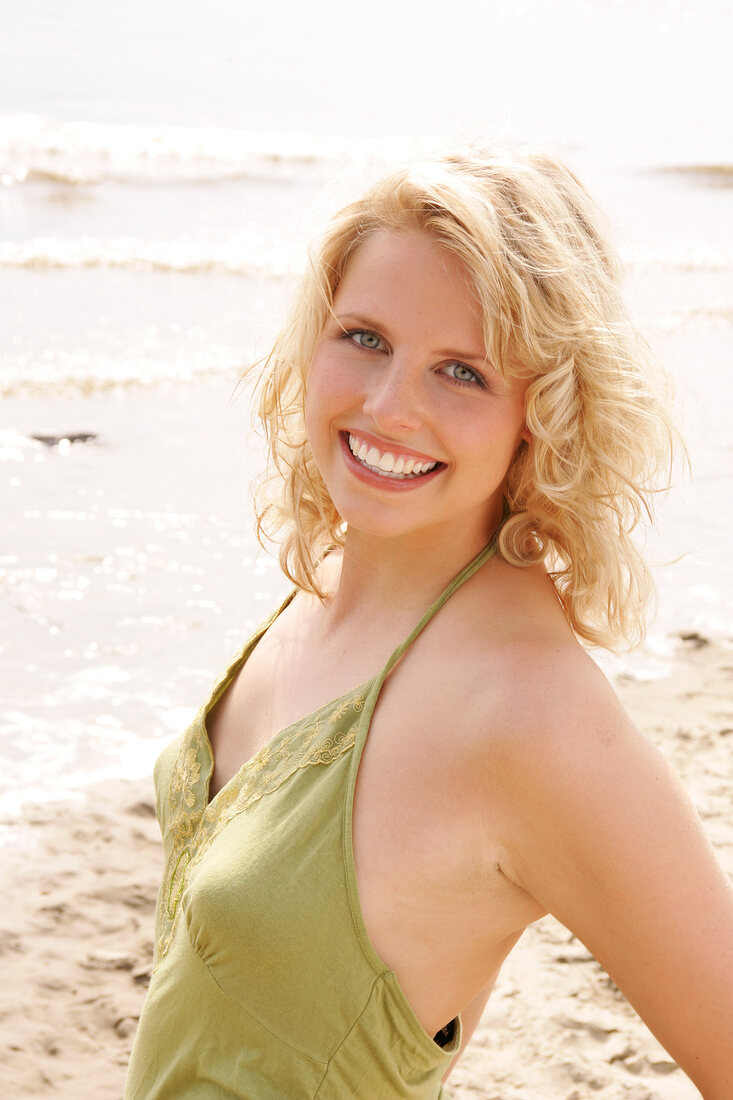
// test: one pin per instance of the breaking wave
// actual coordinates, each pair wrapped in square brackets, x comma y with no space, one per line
[239,256]
[83,153]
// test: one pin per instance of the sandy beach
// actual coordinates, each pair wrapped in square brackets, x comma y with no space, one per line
[76,936]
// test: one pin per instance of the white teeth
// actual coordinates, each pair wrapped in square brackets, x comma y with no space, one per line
[386,463]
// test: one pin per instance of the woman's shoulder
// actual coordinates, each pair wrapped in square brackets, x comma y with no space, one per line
[532,678]
[540,725]
[513,614]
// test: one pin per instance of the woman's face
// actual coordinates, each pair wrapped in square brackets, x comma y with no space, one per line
[411,429]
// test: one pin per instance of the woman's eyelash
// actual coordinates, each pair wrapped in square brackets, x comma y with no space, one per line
[477,379]
[349,334]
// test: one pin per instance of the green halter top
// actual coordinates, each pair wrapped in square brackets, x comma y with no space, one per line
[265,984]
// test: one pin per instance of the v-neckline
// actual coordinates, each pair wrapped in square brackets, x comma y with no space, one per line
[306,721]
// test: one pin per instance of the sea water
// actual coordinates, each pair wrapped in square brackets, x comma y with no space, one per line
[162,168]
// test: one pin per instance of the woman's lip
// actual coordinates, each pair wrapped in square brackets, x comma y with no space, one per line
[382,481]
[387,446]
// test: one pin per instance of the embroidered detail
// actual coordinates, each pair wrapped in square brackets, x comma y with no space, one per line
[177,879]
[186,779]
[193,825]
[186,792]
[356,704]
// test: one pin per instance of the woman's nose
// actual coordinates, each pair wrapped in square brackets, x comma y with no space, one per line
[394,402]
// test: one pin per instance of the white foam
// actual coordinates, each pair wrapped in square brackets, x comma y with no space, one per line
[242,254]
[89,152]
[65,372]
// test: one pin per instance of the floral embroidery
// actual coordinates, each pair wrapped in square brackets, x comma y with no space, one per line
[348,704]
[186,794]
[176,882]
[193,825]
[187,778]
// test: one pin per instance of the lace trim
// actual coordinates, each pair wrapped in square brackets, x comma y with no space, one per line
[193,825]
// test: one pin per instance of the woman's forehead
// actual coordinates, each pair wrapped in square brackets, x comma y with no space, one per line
[407,275]
[401,258]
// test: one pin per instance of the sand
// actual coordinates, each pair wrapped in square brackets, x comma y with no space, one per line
[76,936]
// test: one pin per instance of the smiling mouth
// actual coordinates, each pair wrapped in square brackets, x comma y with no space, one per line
[386,464]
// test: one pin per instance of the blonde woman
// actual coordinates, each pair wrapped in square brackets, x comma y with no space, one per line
[415,757]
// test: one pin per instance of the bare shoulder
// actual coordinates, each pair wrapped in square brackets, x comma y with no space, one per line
[533,679]
[543,729]
[549,706]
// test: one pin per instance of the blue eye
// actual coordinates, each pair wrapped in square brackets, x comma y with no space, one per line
[364,338]
[465,375]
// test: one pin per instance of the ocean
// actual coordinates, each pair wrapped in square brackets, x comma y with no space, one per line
[162,168]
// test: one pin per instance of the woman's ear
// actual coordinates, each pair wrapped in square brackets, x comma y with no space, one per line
[526,435]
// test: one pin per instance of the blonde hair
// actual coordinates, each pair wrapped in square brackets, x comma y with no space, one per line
[546,284]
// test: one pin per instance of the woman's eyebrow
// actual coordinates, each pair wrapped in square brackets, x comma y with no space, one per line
[451,353]
[359,318]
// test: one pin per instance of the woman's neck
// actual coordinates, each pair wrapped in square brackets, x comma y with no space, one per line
[396,576]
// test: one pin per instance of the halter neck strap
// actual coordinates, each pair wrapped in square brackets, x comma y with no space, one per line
[465,574]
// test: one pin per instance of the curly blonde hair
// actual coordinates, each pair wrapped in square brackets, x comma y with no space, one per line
[546,284]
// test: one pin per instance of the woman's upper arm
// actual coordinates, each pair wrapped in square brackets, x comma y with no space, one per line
[602,834]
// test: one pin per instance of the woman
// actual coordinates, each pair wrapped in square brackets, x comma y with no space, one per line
[462,438]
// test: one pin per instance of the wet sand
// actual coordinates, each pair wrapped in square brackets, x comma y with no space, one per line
[76,936]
